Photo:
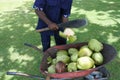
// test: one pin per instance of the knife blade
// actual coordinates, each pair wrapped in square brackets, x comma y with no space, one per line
[70,24]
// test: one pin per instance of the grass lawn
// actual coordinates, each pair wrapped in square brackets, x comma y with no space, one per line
[17,25]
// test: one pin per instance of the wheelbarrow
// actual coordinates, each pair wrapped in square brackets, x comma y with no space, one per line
[108,53]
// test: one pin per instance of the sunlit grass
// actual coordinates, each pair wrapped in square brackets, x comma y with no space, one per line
[97,17]
[10,5]
[14,55]
[112,38]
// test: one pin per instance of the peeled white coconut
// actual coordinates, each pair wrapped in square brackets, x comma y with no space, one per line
[68,32]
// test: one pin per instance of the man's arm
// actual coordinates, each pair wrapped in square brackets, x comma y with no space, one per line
[64,19]
[66,9]
[42,16]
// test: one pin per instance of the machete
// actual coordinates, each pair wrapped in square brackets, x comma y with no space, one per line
[70,24]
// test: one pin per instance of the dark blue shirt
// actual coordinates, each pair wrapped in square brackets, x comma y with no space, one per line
[54,10]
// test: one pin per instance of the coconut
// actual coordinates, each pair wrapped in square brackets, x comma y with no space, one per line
[60,67]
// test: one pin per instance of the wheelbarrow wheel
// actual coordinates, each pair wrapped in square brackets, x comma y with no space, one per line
[100,74]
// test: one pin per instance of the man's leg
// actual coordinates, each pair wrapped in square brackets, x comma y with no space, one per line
[58,39]
[45,41]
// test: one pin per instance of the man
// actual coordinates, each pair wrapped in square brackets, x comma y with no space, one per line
[50,13]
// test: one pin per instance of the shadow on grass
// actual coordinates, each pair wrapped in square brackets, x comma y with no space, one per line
[18,27]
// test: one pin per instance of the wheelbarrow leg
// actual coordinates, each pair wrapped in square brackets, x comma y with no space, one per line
[48,78]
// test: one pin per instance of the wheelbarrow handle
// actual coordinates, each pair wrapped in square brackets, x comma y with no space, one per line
[29,75]
[24,74]
[32,46]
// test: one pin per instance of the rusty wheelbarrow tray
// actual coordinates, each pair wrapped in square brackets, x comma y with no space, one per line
[108,53]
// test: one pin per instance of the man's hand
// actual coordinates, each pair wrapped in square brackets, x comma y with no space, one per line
[53,26]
